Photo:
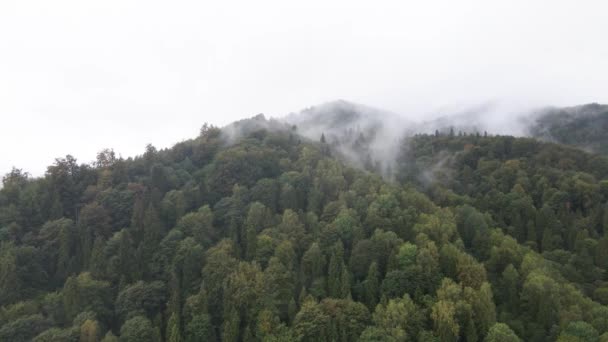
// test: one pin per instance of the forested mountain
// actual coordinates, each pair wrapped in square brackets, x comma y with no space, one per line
[582,126]
[264,232]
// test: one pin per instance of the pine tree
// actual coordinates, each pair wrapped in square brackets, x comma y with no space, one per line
[292,310]
[601,253]
[173,331]
[345,283]
[65,258]
[547,240]
[372,286]
[232,322]
[9,281]
[334,276]
[127,263]
[71,303]
[153,229]
[139,214]
[313,264]
[531,233]
[97,267]
[485,309]
[251,242]
[175,299]
[509,285]
[152,234]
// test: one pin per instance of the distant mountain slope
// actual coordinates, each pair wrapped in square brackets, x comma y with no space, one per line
[584,126]
[344,124]
[371,138]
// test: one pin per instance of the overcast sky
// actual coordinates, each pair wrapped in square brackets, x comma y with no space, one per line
[78,76]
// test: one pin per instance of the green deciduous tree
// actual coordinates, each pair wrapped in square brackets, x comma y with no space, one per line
[501,332]
[138,329]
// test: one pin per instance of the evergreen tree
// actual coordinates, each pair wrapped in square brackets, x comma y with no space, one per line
[372,286]
[173,331]
[335,271]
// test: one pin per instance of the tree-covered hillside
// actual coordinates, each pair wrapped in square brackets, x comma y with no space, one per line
[583,126]
[262,235]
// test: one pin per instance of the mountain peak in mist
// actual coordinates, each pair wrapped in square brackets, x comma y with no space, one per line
[356,131]
[340,114]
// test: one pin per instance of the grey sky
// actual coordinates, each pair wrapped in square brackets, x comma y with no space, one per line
[78,76]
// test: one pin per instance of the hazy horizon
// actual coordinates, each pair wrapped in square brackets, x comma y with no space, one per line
[77,77]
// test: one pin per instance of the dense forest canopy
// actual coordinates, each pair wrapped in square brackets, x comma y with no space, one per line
[257,233]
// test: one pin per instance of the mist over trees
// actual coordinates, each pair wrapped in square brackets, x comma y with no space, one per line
[372,139]
[261,232]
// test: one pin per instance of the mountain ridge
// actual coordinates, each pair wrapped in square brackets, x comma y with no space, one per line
[545,123]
